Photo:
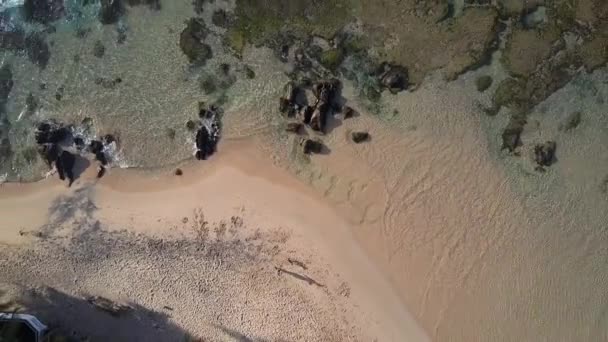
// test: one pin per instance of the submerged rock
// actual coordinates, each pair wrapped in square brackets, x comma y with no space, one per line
[6,83]
[37,50]
[110,11]
[570,122]
[99,49]
[483,83]
[544,154]
[393,77]
[43,11]
[359,137]
[192,44]
[511,136]
[153,4]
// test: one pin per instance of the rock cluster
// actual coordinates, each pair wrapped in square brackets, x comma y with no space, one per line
[59,146]
[294,103]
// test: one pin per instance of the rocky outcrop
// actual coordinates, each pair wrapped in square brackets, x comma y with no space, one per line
[191,42]
[65,166]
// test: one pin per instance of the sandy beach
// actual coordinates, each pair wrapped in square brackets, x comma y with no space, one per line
[269,219]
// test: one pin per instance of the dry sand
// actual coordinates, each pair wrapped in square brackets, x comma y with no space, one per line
[215,253]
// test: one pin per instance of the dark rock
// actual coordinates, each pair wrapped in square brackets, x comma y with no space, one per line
[570,122]
[95,146]
[79,143]
[221,19]
[153,4]
[101,171]
[199,5]
[5,149]
[110,11]
[98,49]
[31,103]
[121,36]
[179,172]
[284,105]
[65,166]
[249,73]
[204,144]
[348,112]
[319,117]
[12,40]
[42,86]
[359,137]
[483,83]
[50,132]
[43,11]
[544,154]
[293,127]
[118,80]
[59,93]
[225,68]
[171,133]
[6,83]
[101,157]
[307,114]
[37,50]
[108,139]
[310,146]
[76,58]
[191,42]
[49,152]
[190,125]
[284,53]
[82,32]
[207,84]
[393,77]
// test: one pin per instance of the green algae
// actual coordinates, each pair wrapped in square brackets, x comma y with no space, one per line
[258,22]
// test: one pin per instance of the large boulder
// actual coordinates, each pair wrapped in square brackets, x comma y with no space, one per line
[191,42]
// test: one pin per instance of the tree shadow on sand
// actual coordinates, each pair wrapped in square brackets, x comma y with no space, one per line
[80,319]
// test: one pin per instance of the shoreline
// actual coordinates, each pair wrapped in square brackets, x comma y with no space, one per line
[246,166]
